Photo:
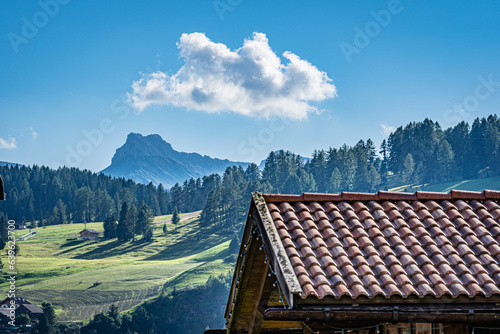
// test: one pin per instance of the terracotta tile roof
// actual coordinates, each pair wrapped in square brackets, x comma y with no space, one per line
[391,244]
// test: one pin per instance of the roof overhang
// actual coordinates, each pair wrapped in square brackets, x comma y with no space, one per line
[276,252]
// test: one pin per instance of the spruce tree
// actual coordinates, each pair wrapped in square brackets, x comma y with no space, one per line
[121,231]
[131,220]
[175,217]
[110,227]
[409,167]
[3,231]
[335,181]
[144,220]
[445,162]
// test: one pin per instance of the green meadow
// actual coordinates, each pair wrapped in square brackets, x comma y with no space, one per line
[52,268]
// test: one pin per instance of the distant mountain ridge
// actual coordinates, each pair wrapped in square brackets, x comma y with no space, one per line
[149,158]
[10,164]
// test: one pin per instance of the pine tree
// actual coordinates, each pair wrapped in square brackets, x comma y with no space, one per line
[444,159]
[175,217]
[409,167]
[371,150]
[126,222]
[383,165]
[47,323]
[292,185]
[148,234]
[131,221]
[110,227]
[335,181]
[373,178]
[3,231]
[144,220]
[419,173]
[42,220]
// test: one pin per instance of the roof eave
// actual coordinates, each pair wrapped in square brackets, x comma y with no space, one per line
[276,252]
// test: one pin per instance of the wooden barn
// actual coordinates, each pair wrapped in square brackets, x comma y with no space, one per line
[391,263]
[21,306]
[88,234]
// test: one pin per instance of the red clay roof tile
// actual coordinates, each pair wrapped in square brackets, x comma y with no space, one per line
[391,244]
[292,252]
[494,230]
[325,290]
[426,195]
[340,290]
[308,197]
[464,194]
[299,270]
[492,194]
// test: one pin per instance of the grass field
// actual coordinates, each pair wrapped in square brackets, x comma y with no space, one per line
[492,183]
[51,268]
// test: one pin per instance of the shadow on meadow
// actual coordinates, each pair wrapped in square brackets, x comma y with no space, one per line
[109,249]
[73,245]
[189,244]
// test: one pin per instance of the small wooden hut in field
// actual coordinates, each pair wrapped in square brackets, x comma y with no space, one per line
[88,234]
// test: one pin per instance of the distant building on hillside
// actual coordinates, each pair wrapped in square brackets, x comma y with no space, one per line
[21,306]
[20,225]
[16,301]
[87,234]
[32,310]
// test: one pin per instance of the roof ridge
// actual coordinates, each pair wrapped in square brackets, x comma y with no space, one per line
[384,195]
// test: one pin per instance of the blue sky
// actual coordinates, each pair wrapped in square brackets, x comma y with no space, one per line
[64,85]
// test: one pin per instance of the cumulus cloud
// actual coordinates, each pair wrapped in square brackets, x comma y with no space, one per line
[9,144]
[251,80]
[387,129]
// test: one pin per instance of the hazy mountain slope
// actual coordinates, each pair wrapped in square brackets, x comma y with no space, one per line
[4,163]
[150,158]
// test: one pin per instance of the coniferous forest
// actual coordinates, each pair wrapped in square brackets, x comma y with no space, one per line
[418,153]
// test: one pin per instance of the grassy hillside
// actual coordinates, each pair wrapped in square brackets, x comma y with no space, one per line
[54,269]
[492,183]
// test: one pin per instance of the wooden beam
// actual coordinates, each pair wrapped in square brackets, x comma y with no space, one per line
[256,324]
[255,321]
[306,329]
[266,295]
[380,300]
[444,314]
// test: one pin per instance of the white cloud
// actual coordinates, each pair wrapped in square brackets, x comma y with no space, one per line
[34,134]
[8,144]
[387,129]
[251,80]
